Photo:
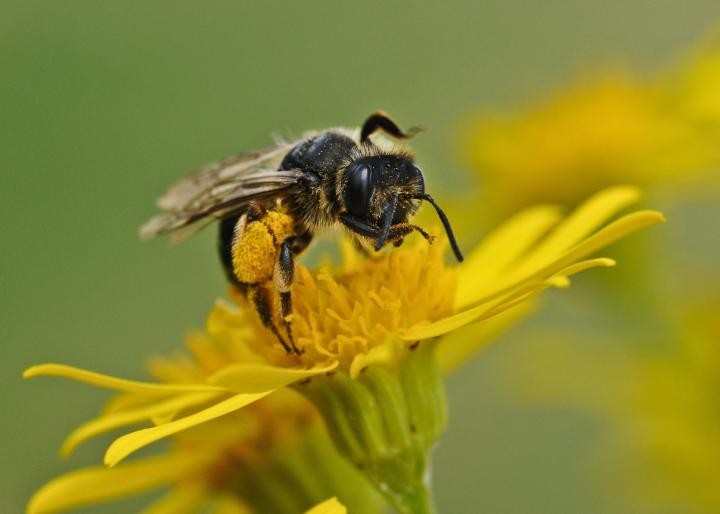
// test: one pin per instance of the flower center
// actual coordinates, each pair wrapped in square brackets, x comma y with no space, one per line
[349,316]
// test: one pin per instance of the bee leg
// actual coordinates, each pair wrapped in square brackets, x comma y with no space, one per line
[231,230]
[380,120]
[359,226]
[283,277]
[399,231]
[260,299]
[396,233]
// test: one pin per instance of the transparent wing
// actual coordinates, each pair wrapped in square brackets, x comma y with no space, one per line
[221,189]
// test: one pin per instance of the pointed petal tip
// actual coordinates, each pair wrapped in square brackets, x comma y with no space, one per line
[68,447]
[38,370]
[630,193]
[110,460]
[605,262]
[652,217]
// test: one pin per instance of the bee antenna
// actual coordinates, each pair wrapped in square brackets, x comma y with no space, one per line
[446,225]
[388,214]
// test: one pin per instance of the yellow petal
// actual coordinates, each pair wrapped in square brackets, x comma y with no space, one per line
[603,237]
[476,285]
[183,499]
[258,378]
[462,318]
[119,384]
[501,303]
[126,401]
[331,506]
[585,265]
[129,443]
[458,347]
[383,353]
[100,484]
[118,419]
[586,218]
[501,248]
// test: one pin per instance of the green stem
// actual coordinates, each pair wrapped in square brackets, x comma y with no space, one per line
[415,501]
[386,422]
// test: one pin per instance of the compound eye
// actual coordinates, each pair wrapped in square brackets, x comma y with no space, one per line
[357,191]
[417,177]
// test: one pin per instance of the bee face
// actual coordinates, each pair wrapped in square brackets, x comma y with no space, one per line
[373,183]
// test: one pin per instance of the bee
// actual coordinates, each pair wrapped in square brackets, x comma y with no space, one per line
[271,201]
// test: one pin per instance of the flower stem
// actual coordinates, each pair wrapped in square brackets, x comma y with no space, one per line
[386,422]
[415,500]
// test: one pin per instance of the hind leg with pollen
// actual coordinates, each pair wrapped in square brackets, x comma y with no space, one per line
[282,278]
[254,255]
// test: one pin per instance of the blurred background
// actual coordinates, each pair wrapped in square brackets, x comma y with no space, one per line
[102,106]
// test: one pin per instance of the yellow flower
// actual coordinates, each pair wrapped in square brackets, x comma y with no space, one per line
[273,456]
[331,506]
[611,128]
[369,334]
[661,400]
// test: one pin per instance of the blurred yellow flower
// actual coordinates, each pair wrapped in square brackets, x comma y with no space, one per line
[608,129]
[273,456]
[331,506]
[369,334]
[662,402]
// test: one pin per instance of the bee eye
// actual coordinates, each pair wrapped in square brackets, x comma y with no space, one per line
[358,190]
[418,175]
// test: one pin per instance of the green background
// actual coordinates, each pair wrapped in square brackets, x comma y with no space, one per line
[103,104]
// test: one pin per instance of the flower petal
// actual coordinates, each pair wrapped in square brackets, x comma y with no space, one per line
[585,265]
[475,285]
[384,353]
[590,215]
[462,318]
[456,348]
[100,484]
[331,506]
[118,419]
[257,378]
[183,499]
[603,237]
[119,384]
[129,443]
[501,248]
[501,303]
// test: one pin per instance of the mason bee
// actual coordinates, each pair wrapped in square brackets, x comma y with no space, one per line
[271,201]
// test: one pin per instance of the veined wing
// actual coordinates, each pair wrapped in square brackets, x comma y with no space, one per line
[221,189]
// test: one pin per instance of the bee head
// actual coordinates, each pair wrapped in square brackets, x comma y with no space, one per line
[384,190]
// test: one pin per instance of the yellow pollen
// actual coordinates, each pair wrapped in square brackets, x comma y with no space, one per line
[254,255]
[354,317]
